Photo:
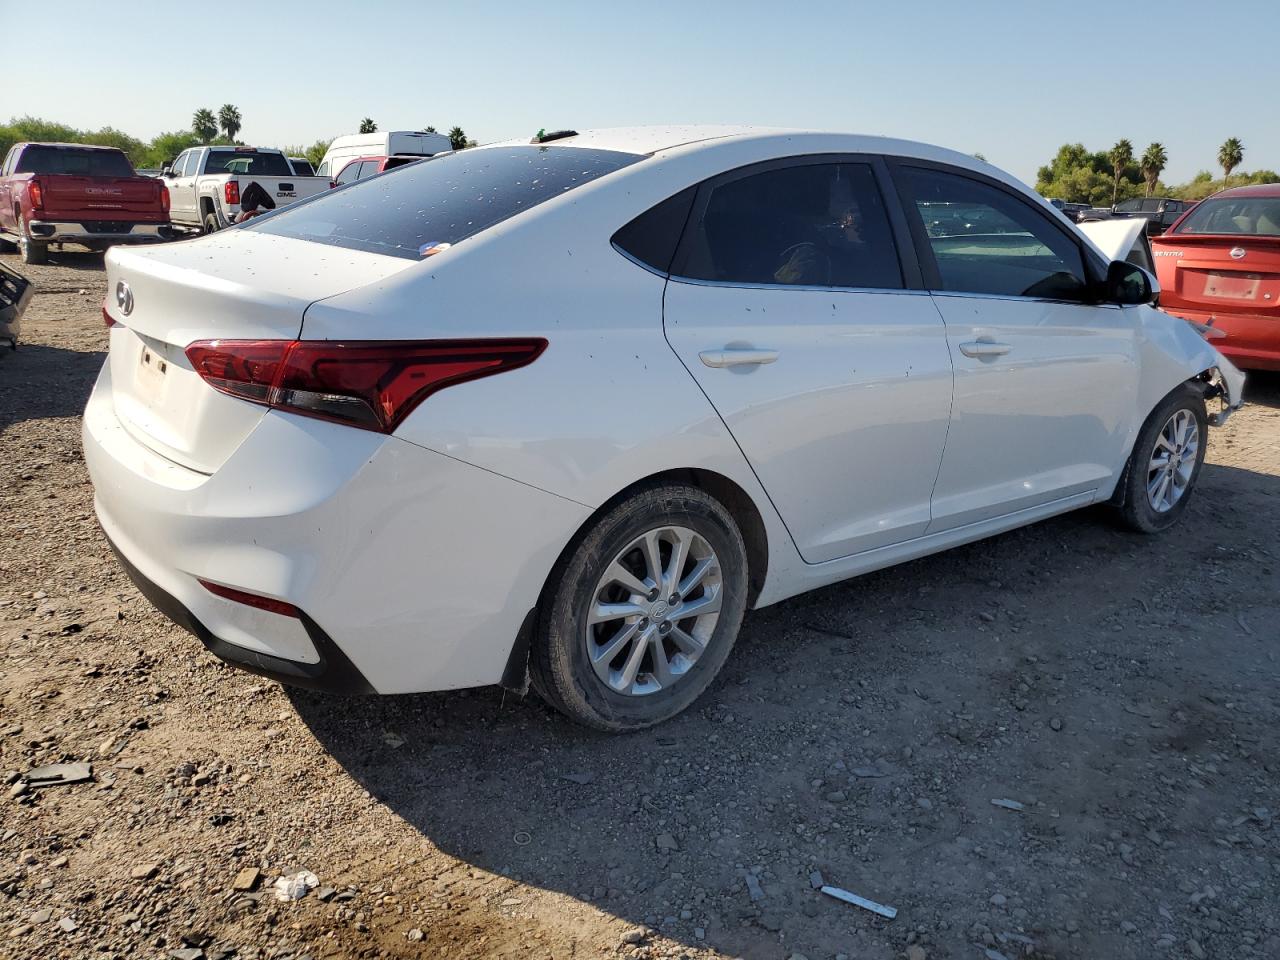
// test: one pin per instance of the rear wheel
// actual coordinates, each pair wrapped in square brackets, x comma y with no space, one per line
[211,224]
[32,251]
[1165,463]
[643,611]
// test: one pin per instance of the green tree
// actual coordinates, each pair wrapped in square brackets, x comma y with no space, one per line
[430,130]
[368,126]
[204,124]
[166,146]
[1121,156]
[1154,160]
[229,120]
[1230,156]
[457,138]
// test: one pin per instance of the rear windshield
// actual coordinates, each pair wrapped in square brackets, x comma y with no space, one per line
[73,161]
[1235,216]
[248,163]
[410,212]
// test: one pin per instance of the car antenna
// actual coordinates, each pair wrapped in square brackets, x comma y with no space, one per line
[543,137]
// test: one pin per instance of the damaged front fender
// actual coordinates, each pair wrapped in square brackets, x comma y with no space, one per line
[1172,353]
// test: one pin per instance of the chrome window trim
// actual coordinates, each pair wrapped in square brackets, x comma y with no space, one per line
[971,295]
[793,286]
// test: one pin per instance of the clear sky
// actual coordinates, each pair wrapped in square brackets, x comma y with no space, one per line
[1011,80]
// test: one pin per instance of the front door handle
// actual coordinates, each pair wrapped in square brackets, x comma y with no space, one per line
[736,358]
[984,349]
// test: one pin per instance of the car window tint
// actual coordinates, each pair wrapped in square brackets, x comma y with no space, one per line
[985,240]
[816,224]
[302,168]
[653,236]
[350,172]
[73,161]
[443,200]
[243,162]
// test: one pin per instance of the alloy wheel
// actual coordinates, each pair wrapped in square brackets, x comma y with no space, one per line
[653,611]
[1173,461]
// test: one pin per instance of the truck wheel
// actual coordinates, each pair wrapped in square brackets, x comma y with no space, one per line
[211,224]
[33,251]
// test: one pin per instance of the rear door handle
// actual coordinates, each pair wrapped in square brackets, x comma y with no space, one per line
[984,349]
[736,358]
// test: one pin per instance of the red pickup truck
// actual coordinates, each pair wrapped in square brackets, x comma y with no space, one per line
[74,193]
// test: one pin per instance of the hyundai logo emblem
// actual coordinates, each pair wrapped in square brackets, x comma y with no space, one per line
[1237,253]
[124,298]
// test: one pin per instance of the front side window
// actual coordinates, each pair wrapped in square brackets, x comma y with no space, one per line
[814,224]
[430,205]
[350,172]
[985,240]
[1235,216]
[180,164]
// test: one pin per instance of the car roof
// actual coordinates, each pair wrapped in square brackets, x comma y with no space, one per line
[1265,190]
[76,146]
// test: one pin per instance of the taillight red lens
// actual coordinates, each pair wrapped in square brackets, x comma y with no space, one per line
[36,192]
[231,190]
[251,599]
[373,385]
[164,197]
[107,318]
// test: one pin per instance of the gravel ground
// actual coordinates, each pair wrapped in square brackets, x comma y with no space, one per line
[1121,689]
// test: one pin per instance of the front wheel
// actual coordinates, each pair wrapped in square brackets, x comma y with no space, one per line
[1165,463]
[643,611]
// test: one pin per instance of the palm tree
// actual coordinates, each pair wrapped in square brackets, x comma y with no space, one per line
[1121,156]
[1230,156]
[1154,160]
[204,124]
[457,139]
[429,130]
[368,126]
[229,119]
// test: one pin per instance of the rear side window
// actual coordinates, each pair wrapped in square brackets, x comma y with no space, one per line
[814,224]
[443,200]
[74,162]
[393,162]
[653,236]
[247,163]
[350,172]
[985,240]
[302,168]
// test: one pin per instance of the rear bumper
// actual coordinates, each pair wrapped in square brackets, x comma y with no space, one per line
[1251,341]
[413,571]
[75,231]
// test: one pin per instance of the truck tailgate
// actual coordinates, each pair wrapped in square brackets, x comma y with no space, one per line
[101,198]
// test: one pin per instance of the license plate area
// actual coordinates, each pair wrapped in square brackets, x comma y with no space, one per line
[152,369]
[1228,287]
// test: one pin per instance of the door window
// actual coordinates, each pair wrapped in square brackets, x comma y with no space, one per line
[811,224]
[349,173]
[985,240]
[180,165]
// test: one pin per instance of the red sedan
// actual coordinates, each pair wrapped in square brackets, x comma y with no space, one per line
[1220,265]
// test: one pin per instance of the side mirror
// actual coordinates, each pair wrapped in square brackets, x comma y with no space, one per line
[166,169]
[1127,284]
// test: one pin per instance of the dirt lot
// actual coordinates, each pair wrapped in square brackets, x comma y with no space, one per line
[1123,689]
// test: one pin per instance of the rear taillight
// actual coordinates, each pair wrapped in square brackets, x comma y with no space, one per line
[231,190]
[368,384]
[164,197]
[107,318]
[332,184]
[35,191]
[251,599]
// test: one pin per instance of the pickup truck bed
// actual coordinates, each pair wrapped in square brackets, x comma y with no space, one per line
[207,184]
[74,193]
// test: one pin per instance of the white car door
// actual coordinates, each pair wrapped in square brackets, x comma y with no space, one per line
[789,304]
[182,188]
[1045,381]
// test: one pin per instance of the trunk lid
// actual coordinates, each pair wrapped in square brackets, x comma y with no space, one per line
[235,284]
[100,198]
[1230,274]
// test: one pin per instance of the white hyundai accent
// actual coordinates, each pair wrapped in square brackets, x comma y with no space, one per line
[562,411]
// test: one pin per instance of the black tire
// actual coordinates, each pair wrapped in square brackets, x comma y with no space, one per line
[211,224]
[560,666]
[7,245]
[32,251]
[1132,505]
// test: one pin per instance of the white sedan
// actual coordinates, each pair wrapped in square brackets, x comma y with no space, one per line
[563,411]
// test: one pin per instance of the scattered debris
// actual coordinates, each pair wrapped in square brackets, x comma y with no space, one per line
[993,954]
[58,774]
[581,779]
[392,740]
[247,879]
[1008,805]
[816,881]
[754,890]
[143,871]
[857,901]
[666,842]
[296,886]
[522,838]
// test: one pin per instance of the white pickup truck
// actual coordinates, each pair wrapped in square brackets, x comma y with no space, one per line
[206,184]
